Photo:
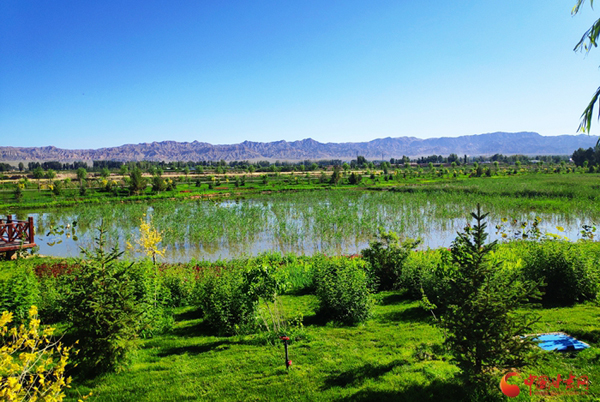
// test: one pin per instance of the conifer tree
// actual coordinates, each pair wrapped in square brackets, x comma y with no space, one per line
[484,331]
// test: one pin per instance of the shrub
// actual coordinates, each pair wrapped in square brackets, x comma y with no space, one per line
[225,300]
[427,273]
[179,282]
[342,289]
[53,280]
[568,271]
[32,366]
[18,288]
[386,257]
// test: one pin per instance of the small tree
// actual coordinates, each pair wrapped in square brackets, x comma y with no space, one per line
[158,184]
[103,308]
[136,183]
[335,176]
[81,175]
[483,329]
[149,239]
[50,174]
[38,173]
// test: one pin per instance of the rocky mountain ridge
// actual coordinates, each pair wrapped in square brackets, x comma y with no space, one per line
[527,143]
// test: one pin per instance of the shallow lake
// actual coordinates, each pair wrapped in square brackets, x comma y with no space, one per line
[333,222]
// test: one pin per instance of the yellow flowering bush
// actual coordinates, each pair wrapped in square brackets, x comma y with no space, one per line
[32,366]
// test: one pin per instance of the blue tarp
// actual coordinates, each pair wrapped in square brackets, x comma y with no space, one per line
[560,342]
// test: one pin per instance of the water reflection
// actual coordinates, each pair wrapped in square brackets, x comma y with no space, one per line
[303,223]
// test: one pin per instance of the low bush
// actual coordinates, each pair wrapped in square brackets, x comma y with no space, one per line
[427,273]
[386,257]
[179,281]
[52,277]
[18,288]
[225,300]
[569,270]
[342,289]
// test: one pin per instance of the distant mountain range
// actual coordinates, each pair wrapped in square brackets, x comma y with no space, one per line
[526,143]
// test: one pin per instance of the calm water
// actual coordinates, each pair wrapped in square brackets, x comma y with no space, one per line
[303,223]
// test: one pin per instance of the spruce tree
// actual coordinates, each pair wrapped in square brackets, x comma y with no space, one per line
[484,332]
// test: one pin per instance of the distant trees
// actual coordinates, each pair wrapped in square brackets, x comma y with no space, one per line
[590,155]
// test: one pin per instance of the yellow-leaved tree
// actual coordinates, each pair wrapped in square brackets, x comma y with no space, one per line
[149,240]
[32,365]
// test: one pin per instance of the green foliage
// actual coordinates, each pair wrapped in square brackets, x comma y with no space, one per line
[180,282]
[386,258]
[483,329]
[158,184]
[57,187]
[18,289]
[136,182]
[569,271]
[355,178]
[226,301]
[427,273]
[103,310]
[342,289]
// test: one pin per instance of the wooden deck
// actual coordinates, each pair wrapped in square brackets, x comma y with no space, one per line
[16,235]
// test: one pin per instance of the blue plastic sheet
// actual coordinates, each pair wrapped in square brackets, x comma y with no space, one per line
[560,342]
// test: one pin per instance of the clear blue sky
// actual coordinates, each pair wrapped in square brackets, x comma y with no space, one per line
[90,74]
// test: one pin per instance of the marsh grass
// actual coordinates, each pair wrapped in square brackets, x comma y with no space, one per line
[340,220]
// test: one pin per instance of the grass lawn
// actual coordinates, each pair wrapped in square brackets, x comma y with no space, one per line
[397,355]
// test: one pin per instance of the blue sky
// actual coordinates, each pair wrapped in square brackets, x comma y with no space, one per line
[83,74]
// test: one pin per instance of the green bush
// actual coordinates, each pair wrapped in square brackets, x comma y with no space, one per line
[342,289]
[386,258]
[226,302]
[179,281]
[151,292]
[427,273]
[18,288]
[53,281]
[569,270]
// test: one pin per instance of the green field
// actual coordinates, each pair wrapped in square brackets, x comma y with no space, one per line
[397,353]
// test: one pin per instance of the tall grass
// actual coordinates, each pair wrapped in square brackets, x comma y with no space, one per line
[337,221]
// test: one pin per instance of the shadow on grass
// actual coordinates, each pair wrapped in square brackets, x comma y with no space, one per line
[197,349]
[358,375]
[188,315]
[317,320]
[592,336]
[198,328]
[395,298]
[436,391]
[411,314]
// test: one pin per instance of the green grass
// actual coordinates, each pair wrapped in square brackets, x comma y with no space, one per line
[397,355]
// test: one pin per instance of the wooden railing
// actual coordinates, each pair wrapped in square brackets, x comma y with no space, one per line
[15,235]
